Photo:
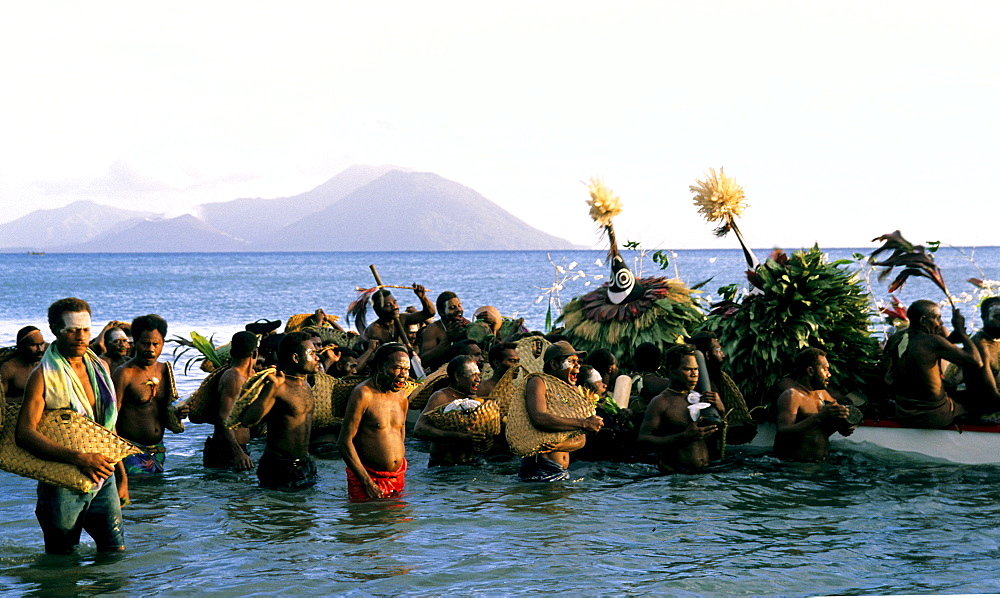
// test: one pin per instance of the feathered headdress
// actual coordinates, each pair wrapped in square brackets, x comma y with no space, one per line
[720,199]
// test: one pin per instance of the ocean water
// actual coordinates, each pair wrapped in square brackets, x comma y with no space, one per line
[864,523]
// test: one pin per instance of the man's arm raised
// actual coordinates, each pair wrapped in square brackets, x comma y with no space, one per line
[93,465]
[424,314]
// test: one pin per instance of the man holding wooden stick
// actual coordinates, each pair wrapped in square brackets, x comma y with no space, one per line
[386,308]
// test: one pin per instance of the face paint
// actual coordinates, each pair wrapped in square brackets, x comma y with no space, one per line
[75,320]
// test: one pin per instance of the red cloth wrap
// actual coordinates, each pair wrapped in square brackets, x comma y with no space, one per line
[388,482]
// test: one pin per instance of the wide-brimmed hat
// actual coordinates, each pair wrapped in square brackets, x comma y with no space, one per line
[561,349]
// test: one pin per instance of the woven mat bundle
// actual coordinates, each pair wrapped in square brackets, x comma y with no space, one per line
[248,394]
[510,386]
[426,387]
[327,334]
[174,423]
[531,349]
[322,391]
[485,419]
[341,392]
[66,428]
[200,399]
[561,399]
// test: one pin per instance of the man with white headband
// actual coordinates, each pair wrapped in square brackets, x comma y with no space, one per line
[71,376]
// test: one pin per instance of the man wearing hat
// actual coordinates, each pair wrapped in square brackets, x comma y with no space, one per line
[561,361]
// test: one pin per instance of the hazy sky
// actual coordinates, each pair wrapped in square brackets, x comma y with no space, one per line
[842,120]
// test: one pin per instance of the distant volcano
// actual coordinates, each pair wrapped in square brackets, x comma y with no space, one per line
[364,208]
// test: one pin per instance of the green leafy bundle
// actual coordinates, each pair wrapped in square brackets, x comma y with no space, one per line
[806,302]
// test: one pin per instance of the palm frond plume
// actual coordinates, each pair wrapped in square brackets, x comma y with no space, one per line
[913,259]
[604,206]
[721,200]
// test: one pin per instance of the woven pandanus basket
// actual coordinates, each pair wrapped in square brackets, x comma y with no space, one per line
[200,399]
[341,392]
[426,387]
[561,399]
[531,349]
[174,423]
[485,419]
[511,385]
[322,392]
[248,394]
[66,428]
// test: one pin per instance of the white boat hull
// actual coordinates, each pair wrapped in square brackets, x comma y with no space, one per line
[975,445]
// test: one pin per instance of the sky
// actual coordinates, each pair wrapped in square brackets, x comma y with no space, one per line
[842,120]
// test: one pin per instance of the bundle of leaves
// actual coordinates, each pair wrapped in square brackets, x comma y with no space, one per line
[662,315]
[806,302]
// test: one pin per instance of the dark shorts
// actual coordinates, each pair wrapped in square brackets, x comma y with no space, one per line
[287,474]
[539,469]
[219,453]
[64,513]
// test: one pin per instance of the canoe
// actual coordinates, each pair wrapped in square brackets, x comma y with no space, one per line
[967,444]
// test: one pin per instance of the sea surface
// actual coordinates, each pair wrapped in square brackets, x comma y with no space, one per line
[871,522]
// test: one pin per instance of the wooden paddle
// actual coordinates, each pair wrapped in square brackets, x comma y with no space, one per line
[418,368]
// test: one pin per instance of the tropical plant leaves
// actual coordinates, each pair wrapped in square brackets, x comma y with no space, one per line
[806,302]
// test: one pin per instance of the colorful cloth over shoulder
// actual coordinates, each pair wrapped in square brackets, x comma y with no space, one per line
[63,390]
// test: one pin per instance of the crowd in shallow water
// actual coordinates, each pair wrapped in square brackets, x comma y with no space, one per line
[678,408]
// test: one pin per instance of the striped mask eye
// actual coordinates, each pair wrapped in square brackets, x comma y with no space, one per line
[624,278]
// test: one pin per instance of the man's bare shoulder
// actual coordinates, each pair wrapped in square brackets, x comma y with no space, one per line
[438,398]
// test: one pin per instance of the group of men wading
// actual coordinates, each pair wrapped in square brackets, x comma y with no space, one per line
[119,382]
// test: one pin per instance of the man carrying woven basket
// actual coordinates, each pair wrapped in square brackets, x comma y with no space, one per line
[71,376]
[287,403]
[551,465]
[452,447]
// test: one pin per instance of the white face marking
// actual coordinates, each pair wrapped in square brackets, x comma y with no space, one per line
[117,335]
[76,320]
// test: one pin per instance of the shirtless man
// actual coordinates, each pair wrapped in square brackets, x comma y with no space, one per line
[143,389]
[563,362]
[227,448]
[97,345]
[116,348]
[915,366]
[451,447]
[981,394]
[502,357]
[647,359]
[286,404]
[384,328]
[807,414]
[667,427]
[371,437]
[64,513]
[14,372]
[438,336]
